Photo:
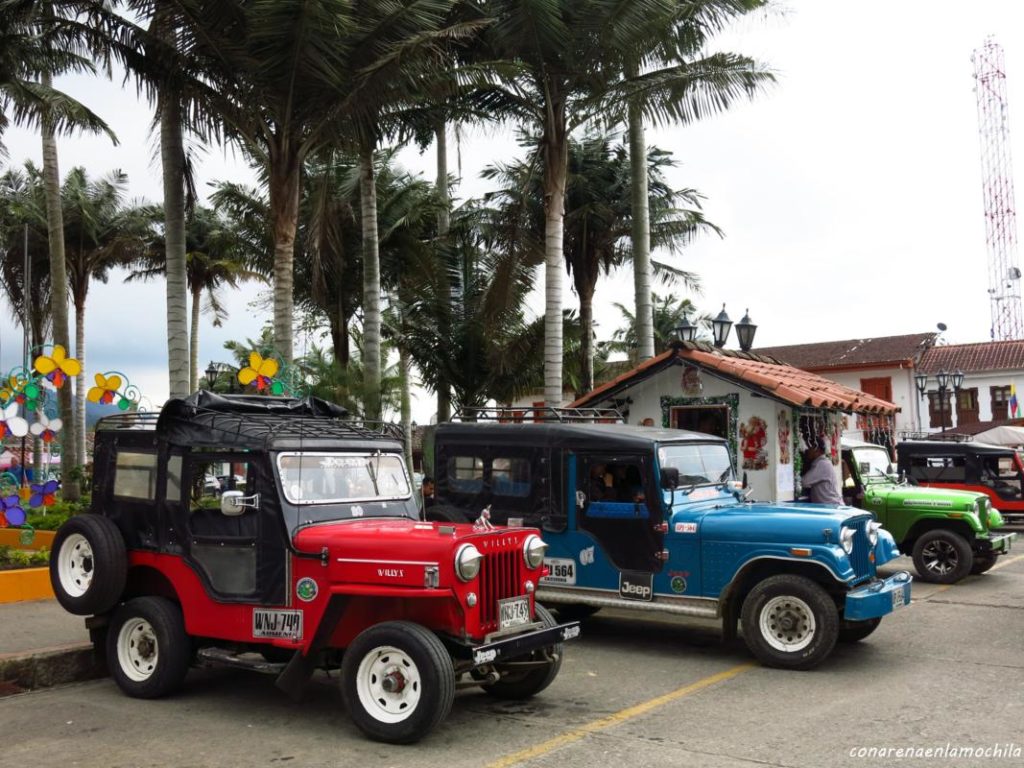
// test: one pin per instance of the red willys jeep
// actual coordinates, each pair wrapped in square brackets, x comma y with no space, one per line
[280,536]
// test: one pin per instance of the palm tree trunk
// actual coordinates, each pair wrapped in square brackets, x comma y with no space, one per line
[641,234]
[193,350]
[444,390]
[404,371]
[172,156]
[586,337]
[80,379]
[556,150]
[59,301]
[285,174]
[371,285]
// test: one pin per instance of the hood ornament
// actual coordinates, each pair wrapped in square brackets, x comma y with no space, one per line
[483,523]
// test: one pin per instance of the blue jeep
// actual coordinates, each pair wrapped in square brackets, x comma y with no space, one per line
[654,520]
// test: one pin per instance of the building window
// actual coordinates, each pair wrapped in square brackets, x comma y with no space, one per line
[710,419]
[935,417]
[967,407]
[1000,402]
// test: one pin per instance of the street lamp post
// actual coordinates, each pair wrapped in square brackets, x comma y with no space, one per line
[943,380]
[211,375]
[720,327]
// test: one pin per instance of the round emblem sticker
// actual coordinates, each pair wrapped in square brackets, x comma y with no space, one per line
[306,589]
[678,584]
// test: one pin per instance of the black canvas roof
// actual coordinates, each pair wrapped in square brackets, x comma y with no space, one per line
[591,435]
[255,422]
[948,448]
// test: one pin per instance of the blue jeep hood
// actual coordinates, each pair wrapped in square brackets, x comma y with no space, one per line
[784,523]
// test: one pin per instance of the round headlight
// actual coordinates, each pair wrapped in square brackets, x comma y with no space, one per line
[467,562]
[846,539]
[976,507]
[873,532]
[533,551]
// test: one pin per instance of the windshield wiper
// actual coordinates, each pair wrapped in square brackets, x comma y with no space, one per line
[374,470]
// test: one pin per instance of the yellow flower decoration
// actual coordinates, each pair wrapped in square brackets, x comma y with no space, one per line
[57,366]
[260,370]
[9,389]
[105,389]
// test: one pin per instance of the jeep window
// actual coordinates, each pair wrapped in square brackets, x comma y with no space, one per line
[700,464]
[336,478]
[173,479]
[1000,473]
[877,461]
[510,477]
[466,474]
[938,469]
[135,475]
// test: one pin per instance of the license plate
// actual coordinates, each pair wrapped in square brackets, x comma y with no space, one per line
[277,624]
[560,571]
[899,597]
[513,612]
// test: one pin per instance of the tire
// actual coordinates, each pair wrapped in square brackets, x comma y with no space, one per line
[88,565]
[397,653]
[790,622]
[575,611]
[983,563]
[148,650]
[442,514]
[522,685]
[942,557]
[855,631]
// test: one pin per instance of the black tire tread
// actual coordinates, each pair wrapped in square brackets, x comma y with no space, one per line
[175,647]
[110,563]
[427,717]
[441,513]
[966,557]
[826,617]
[536,680]
[855,631]
[983,563]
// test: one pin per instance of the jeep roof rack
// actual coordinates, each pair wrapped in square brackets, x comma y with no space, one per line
[541,413]
[947,436]
[254,422]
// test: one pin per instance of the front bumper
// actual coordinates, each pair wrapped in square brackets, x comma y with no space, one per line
[999,544]
[513,647]
[878,598]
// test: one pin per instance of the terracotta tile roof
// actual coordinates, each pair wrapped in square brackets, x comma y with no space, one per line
[969,358]
[784,382]
[853,352]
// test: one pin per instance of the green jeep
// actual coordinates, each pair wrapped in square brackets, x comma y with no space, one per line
[948,532]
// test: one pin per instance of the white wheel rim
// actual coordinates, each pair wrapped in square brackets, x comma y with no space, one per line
[75,565]
[787,624]
[388,684]
[137,650]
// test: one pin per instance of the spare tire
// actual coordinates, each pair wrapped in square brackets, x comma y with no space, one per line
[88,565]
[439,513]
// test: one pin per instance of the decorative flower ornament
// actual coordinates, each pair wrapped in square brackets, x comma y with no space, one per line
[105,390]
[58,367]
[12,423]
[43,494]
[261,372]
[46,428]
[11,511]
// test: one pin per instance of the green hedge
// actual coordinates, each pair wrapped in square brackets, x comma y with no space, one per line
[11,558]
[56,515]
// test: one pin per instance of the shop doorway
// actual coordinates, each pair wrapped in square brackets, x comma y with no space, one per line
[709,419]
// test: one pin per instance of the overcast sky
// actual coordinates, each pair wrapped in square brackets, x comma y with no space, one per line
[850,194]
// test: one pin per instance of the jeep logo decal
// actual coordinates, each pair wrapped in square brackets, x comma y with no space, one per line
[636,586]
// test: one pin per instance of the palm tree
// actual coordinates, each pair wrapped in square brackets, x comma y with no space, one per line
[213,260]
[597,219]
[563,68]
[667,314]
[49,38]
[100,233]
[678,48]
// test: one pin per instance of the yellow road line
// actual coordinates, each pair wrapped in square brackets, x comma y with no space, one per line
[619,717]
[1003,562]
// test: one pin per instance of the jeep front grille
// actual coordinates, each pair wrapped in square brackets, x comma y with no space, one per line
[860,558]
[501,576]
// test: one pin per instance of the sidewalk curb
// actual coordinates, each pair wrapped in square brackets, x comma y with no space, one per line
[47,667]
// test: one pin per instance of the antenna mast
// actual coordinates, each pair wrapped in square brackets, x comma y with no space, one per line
[997,189]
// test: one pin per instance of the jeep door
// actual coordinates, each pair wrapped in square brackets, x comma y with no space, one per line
[617,505]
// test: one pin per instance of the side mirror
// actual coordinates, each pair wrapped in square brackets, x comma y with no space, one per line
[669,478]
[234,503]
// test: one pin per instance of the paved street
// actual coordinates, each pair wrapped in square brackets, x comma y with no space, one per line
[948,669]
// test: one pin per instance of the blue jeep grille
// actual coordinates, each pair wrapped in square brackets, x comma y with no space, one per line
[860,559]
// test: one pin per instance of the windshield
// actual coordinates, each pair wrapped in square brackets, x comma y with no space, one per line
[873,462]
[332,478]
[698,464]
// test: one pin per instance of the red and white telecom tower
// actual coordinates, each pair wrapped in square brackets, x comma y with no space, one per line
[1004,276]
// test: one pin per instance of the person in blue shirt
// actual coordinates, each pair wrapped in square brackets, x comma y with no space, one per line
[22,474]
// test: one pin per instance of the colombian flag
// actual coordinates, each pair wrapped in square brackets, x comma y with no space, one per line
[1014,404]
